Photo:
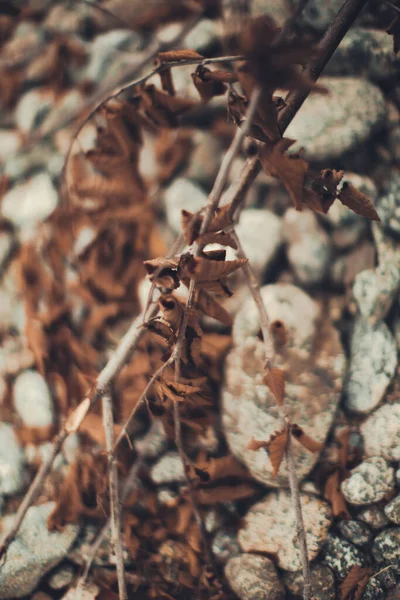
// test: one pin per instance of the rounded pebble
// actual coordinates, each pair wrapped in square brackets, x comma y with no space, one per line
[381,432]
[11,461]
[32,400]
[370,482]
[254,577]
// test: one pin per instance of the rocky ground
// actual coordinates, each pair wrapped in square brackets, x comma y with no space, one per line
[332,280]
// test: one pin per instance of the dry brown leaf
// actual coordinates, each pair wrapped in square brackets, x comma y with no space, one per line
[190,225]
[212,308]
[225,239]
[357,201]
[37,341]
[275,381]
[177,391]
[333,494]
[212,270]
[163,329]
[217,468]
[161,263]
[178,55]
[224,493]
[211,83]
[171,310]
[305,440]
[356,580]
[221,219]
[394,30]
[276,446]
[93,426]
[289,170]
[167,83]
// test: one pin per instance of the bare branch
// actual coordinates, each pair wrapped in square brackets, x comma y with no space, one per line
[115,509]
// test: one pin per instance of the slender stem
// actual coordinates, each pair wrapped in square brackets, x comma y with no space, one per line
[396,8]
[115,508]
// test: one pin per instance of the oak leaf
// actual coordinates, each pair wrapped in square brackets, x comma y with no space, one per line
[305,440]
[357,201]
[274,379]
[290,170]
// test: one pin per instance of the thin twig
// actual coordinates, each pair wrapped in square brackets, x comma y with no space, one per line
[396,8]
[255,291]
[115,508]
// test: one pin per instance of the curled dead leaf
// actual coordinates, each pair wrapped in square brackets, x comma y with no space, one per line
[274,379]
[333,494]
[355,581]
[357,201]
[305,440]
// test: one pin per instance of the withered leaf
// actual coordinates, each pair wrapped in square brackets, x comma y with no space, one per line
[212,308]
[224,493]
[176,391]
[225,466]
[162,328]
[190,224]
[178,55]
[221,219]
[161,263]
[276,446]
[212,270]
[305,440]
[394,30]
[290,170]
[222,238]
[171,310]
[162,108]
[357,201]
[356,580]
[333,494]
[274,379]
[37,341]
[323,190]
[167,83]
[211,83]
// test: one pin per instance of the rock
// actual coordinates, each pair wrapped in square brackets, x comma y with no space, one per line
[105,53]
[386,546]
[154,442]
[33,107]
[355,532]
[364,52]
[341,556]
[373,591]
[205,158]
[392,510]
[62,577]
[254,577]
[370,482]
[71,447]
[67,19]
[347,266]
[313,379]
[270,525]
[10,143]
[32,400]
[373,359]
[11,461]
[34,551]
[168,468]
[388,205]
[347,226]
[182,194]
[381,432]
[7,246]
[374,517]
[105,557]
[203,35]
[225,545]
[30,202]
[322,583]
[261,249]
[329,125]
[319,14]
[308,246]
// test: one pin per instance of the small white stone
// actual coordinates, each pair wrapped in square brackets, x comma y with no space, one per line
[168,468]
[11,461]
[32,400]
[182,194]
[10,142]
[381,433]
[29,202]
[260,233]
[370,482]
[32,106]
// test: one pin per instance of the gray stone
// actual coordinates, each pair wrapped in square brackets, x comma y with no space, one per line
[374,517]
[32,400]
[355,532]
[154,442]
[34,551]
[313,379]
[205,158]
[370,482]
[168,468]
[182,194]
[105,52]
[11,461]
[225,545]
[33,107]
[373,359]
[30,202]
[10,143]
[329,125]
[392,510]
[386,546]
[322,583]
[105,557]
[308,246]
[373,591]
[388,205]
[202,36]
[346,267]
[381,432]
[270,525]
[365,52]
[7,245]
[319,14]
[254,577]
[341,556]
[61,577]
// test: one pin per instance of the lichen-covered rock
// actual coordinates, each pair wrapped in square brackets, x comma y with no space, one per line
[168,468]
[392,510]
[341,556]
[225,545]
[381,432]
[370,482]
[308,246]
[374,517]
[254,577]
[313,361]
[30,202]
[11,461]
[34,551]
[269,526]
[373,359]
[364,52]
[388,205]
[373,591]
[61,577]
[386,546]
[355,532]
[32,399]
[329,125]
[322,583]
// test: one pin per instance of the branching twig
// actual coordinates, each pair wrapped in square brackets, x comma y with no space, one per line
[115,509]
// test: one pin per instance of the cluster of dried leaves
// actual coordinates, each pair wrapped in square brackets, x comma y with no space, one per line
[80,278]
